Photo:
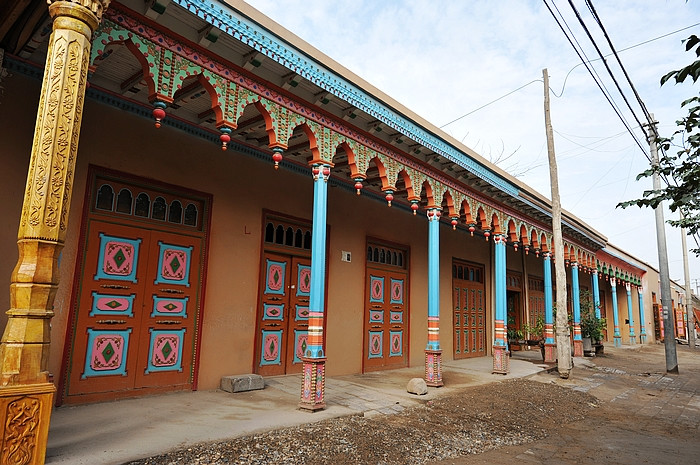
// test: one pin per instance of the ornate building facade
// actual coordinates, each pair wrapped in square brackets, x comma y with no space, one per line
[234,201]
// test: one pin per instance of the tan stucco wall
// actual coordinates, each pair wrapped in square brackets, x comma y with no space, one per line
[242,187]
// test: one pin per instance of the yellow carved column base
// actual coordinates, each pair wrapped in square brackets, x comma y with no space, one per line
[25,412]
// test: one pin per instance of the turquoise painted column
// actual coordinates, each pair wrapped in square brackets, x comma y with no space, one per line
[500,349]
[596,293]
[642,324]
[314,361]
[549,344]
[630,313]
[433,352]
[576,297]
[616,320]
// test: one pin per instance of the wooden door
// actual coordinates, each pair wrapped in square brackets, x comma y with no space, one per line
[469,315]
[385,321]
[283,314]
[386,316]
[136,311]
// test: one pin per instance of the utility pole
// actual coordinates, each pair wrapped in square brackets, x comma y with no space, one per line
[564,361]
[688,293]
[665,282]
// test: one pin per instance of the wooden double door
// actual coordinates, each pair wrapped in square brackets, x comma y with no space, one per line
[136,312]
[386,309]
[283,314]
[469,315]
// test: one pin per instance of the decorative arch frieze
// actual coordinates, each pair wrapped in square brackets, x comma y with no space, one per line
[167,62]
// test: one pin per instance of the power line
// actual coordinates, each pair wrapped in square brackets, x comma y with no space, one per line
[567,74]
[607,67]
[492,101]
[623,50]
[593,75]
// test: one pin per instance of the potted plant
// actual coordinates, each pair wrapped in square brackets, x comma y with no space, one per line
[535,333]
[515,335]
[591,326]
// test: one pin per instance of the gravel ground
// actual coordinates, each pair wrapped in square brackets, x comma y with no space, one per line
[470,421]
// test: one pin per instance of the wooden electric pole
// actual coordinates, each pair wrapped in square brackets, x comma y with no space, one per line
[563,340]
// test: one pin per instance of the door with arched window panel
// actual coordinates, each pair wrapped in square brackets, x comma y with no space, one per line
[386,307]
[137,296]
[282,327]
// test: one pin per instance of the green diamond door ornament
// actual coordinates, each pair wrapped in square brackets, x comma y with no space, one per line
[108,352]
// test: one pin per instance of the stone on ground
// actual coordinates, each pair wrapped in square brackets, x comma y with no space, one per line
[417,386]
[242,383]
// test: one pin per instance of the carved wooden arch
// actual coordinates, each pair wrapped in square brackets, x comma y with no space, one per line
[204,80]
[465,207]
[426,191]
[544,243]
[481,218]
[511,231]
[357,160]
[523,234]
[534,239]
[132,43]
[496,223]
[408,184]
[320,142]
[448,201]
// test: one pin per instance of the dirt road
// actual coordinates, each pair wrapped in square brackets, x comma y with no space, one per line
[644,415]
[623,410]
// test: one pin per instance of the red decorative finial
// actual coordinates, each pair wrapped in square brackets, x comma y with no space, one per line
[159,112]
[515,246]
[487,233]
[225,137]
[454,223]
[277,156]
[358,185]
[414,206]
[472,228]
[389,197]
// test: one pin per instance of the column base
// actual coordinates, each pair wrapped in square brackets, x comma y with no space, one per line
[633,340]
[313,384]
[433,368]
[501,360]
[617,341]
[578,348]
[26,412]
[642,338]
[550,353]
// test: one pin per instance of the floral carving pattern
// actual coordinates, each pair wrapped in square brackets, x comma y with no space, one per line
[20,431]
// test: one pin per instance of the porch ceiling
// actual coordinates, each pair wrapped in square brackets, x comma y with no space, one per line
[24,32]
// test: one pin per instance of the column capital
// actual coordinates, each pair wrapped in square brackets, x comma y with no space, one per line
[321,171]
[88,11]
[434,213]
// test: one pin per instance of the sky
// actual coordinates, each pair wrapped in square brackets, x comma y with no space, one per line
[447,59]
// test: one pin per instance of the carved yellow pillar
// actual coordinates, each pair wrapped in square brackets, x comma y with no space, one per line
[26,393]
